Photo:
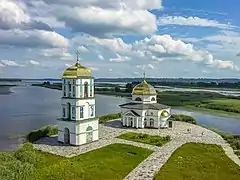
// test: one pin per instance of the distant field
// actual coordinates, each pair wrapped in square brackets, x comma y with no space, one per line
[199,162]
[228,105]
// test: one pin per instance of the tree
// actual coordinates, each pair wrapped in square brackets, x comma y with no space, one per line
[117,89]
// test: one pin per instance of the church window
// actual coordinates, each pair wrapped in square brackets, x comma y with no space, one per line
[64,90]
[90,87]
[151,122]
[85,89]
[81,112]
[91,110]
[74,81]
[74,91]
[138,99]
[152,113]
[64,110]
[80,88]
[153,99]
[69,89]
[64,81]
[73,112]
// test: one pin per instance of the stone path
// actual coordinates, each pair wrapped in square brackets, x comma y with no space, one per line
[146,169]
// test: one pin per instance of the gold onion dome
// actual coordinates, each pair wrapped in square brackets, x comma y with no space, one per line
[165,114]
[77,71]
[144,89]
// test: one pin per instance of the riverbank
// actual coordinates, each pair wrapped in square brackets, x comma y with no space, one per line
[5,89]
[207,102]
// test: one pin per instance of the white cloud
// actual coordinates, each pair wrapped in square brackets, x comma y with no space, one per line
[82,49]
[100,57]
[191,21]
[58,53]
[110,70]
[115,44]
[93,68]
[119,58]
[104,17]
[34,62]
[1,65]
[133,4]
[9,63]
[32,38]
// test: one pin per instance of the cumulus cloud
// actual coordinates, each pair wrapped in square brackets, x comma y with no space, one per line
[13,15]
[34,38]
[133,4]
[100,57]
[191,21]
[9,63]
[34,62]
[104,22]
[119,58]
[82,49]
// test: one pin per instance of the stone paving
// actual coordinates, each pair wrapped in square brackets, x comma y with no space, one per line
[146,169]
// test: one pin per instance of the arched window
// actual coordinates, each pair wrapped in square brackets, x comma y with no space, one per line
[86,89]
[89,128]
[69,89]
[69,110]
[81,112]
[151,122]
[91,110]
[138,99]
[73,112]
[153,99]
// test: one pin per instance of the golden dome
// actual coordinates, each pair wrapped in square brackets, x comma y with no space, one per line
[77,71]
[165,113]
[144,89]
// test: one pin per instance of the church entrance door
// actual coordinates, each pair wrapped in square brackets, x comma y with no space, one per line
[89,134]
[66,136]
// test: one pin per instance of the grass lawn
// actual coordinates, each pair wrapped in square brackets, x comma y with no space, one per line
[199,162]
[145,138]
[111,162]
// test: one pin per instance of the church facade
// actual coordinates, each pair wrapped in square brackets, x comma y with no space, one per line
[144,111]
[78,124]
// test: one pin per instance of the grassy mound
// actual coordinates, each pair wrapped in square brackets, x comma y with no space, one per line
[145,138]
[111,162]
[199,162]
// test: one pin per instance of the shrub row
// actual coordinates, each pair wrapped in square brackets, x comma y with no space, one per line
[184,118]
[42,132]
[109,117]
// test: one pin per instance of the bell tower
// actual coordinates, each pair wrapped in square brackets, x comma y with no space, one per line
[78,124]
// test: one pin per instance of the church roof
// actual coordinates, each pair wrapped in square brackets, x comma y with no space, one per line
[140,106]
[77,71]
[144,89]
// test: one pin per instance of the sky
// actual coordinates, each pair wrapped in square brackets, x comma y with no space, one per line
[120,38]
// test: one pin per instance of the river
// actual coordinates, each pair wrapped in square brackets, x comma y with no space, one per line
[29,108]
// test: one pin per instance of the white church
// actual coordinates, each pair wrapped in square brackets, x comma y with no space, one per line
[144,111]
[78,124]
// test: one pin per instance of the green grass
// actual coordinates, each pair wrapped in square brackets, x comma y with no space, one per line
[199,162]
[145,138]
[111,162]
[109,117]
[228,105]
[184,118]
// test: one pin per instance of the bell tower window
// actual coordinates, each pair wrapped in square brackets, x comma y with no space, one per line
[85,89]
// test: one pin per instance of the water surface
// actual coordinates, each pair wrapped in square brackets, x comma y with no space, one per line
[29,108]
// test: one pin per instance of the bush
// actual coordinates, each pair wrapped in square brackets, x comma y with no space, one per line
[15,170]
[6,157]
[109,117]
[43,132]
[184,118]
[26,156]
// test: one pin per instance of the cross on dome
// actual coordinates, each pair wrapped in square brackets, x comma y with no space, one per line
[77,53]
[144,75]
